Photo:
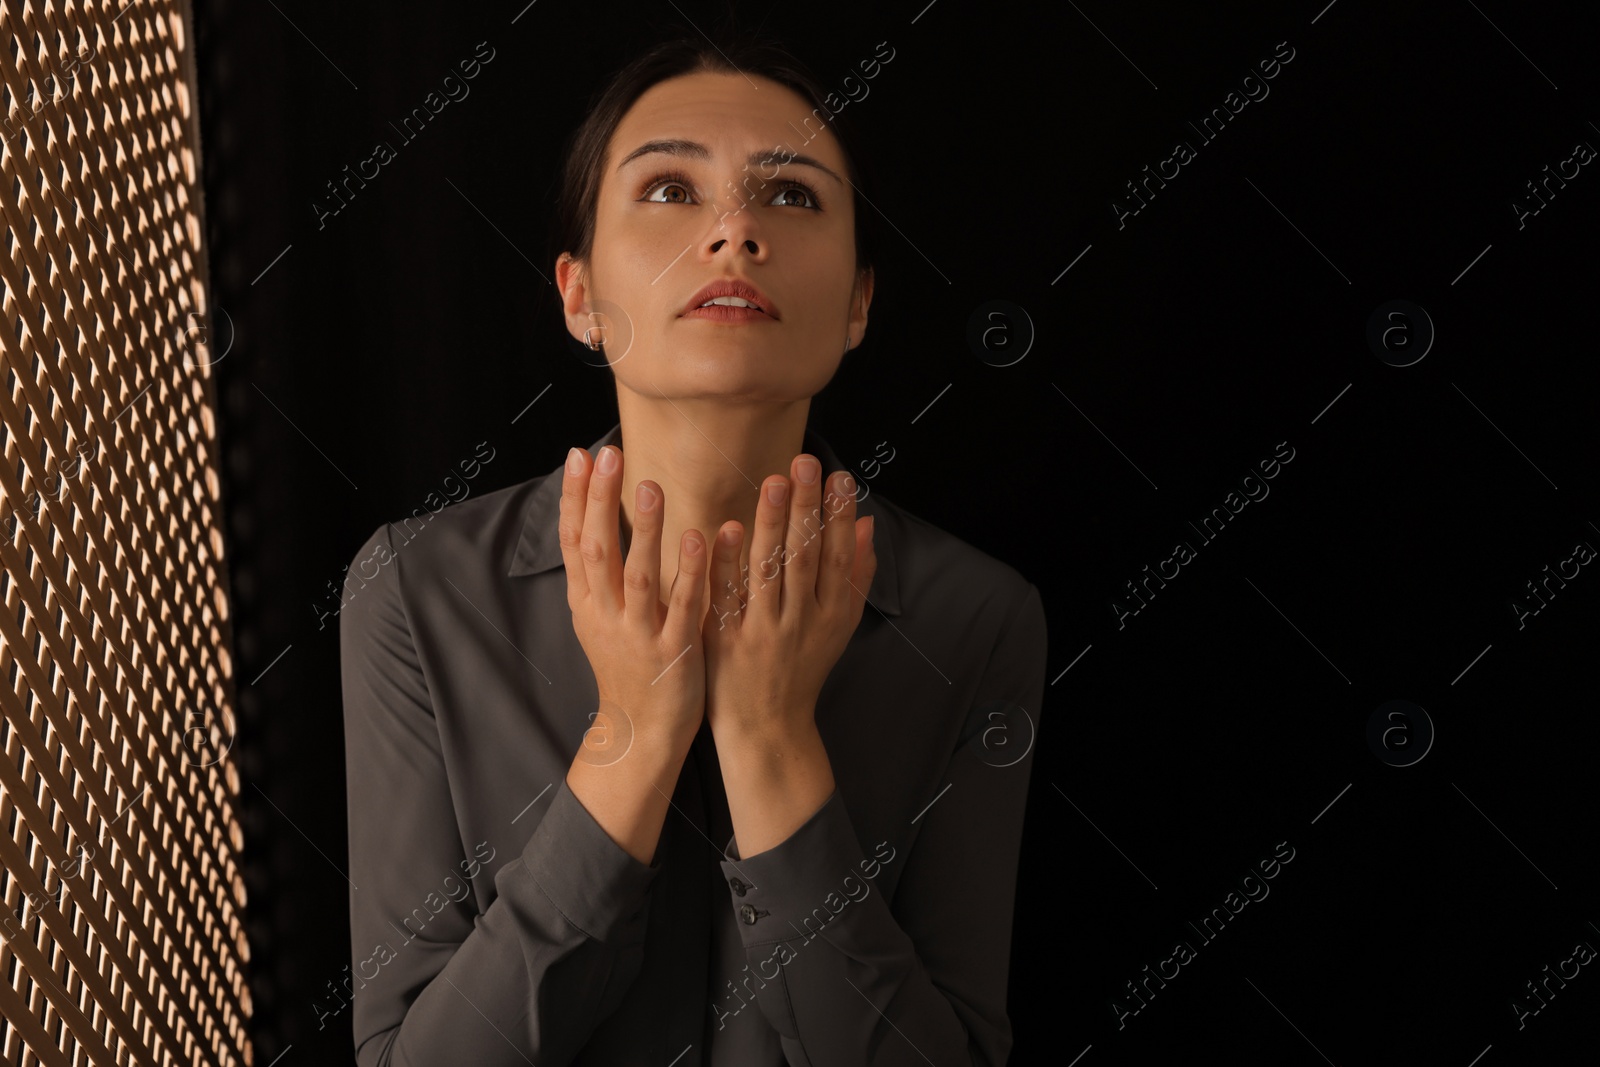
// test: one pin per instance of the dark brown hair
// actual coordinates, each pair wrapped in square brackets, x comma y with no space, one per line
[585,150]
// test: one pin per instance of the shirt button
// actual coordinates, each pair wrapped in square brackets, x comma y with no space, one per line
[739,886]
[747,912]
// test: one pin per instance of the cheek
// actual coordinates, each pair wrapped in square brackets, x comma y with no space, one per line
[826,292]
[620,296]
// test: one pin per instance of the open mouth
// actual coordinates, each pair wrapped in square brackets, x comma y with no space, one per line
[731,300]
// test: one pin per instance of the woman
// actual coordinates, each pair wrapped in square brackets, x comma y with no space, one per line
[634,776]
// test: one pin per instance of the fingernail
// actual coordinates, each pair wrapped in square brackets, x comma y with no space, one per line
[847,485]
[645,496]
[608,460]
[776,492]
[575,461]
[691,545]
[807,470]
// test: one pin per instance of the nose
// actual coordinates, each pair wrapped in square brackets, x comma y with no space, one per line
[749,246]
[737,228]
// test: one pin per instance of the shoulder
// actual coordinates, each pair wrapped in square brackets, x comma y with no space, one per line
[939,573]
[459,533]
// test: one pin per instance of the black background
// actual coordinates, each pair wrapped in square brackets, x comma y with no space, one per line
[371,353]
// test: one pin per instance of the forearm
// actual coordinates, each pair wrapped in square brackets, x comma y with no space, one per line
[528,979]
[841,980]
[775,781]
[629,796]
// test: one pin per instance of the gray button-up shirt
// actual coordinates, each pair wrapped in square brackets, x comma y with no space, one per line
[494,922]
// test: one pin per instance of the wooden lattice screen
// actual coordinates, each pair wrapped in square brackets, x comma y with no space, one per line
[122,939]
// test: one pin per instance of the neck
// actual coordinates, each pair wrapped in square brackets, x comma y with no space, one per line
[709,456]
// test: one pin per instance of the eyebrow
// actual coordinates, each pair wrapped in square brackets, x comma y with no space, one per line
[696,150]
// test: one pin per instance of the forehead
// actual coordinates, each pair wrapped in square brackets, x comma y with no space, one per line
[730,114]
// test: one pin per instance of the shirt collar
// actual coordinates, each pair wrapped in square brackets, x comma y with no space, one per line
[539,548]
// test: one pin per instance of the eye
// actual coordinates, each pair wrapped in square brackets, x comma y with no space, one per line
[794,186]
[677,179]
[668,180]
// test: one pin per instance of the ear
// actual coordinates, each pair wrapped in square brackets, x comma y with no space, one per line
[572,280]
[860,299]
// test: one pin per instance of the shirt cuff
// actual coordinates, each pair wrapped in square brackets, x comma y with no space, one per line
[798,887]
[593,881]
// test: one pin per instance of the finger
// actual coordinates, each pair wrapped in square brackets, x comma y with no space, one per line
[727,583]
[601,547]
[866,565]
[838,544]
[803,538]
[641,575]
[686,602]
[766,551]
[574,489]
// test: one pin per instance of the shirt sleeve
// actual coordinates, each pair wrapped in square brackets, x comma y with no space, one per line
[847,979]
[434,981]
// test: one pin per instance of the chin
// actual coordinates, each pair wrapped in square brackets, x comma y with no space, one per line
[736,376]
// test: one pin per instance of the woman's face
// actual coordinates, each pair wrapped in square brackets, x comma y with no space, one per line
[659,240]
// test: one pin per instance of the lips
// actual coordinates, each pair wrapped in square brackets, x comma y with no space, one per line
[732,287]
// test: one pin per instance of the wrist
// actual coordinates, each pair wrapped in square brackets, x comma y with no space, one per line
[766,746]
[670,739]
[657,719]
[655,737]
